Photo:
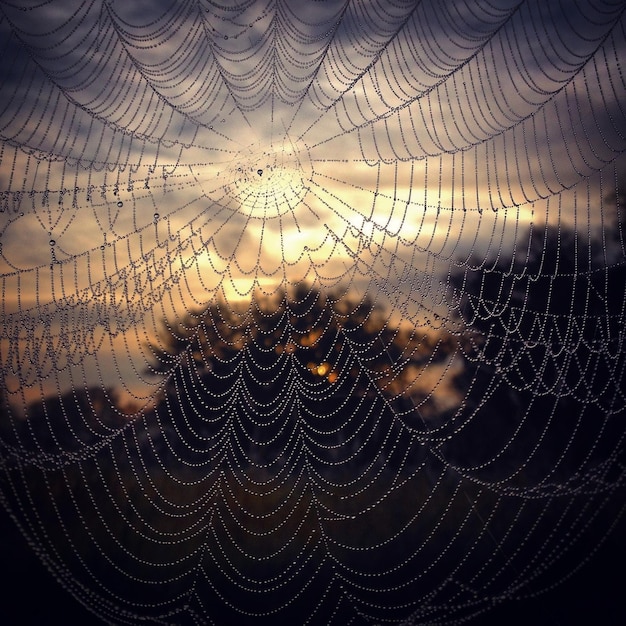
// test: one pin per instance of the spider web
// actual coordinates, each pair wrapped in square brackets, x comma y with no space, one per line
[312,312]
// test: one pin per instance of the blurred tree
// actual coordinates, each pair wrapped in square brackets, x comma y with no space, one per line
[67,423]
[544,358]
[324,374]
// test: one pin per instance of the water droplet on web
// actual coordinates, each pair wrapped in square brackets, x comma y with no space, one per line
[156,216]
[259,172]
[52,242]
[120,204]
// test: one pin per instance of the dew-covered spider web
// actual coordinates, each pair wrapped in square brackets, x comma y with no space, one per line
[312,312]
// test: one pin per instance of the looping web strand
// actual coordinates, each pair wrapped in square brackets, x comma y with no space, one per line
[312,312]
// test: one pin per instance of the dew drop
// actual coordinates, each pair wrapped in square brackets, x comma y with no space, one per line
[52,242]
[156,216]
[120,204]
[259,172]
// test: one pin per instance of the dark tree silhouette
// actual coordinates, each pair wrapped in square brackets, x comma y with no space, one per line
[543,416]
[68,423]
[326,375]
[544,357]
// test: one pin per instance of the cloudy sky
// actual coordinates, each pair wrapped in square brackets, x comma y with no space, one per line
[157,154]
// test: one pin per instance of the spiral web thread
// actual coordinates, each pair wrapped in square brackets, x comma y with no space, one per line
[312,311]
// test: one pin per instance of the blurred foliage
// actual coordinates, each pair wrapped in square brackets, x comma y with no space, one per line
[544,361]
[326,336]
